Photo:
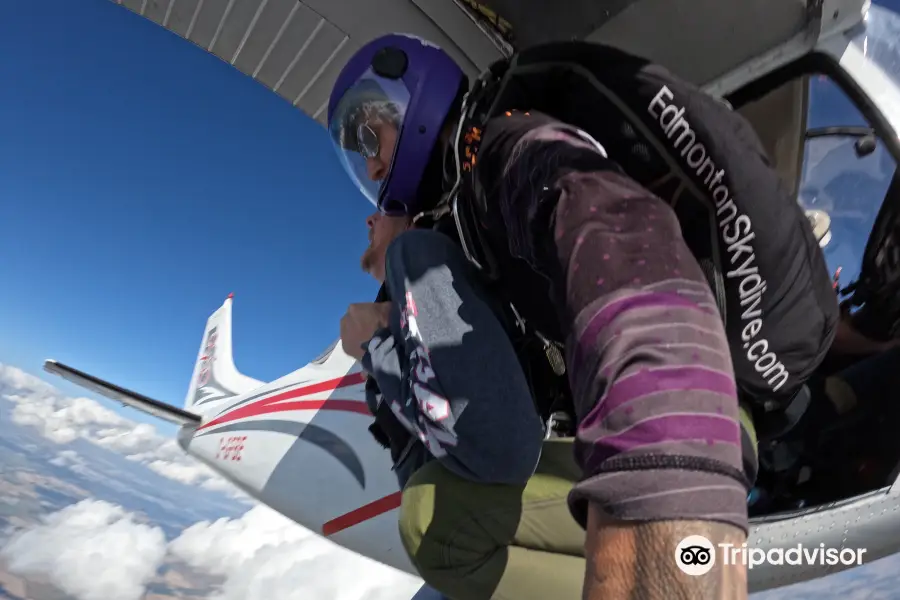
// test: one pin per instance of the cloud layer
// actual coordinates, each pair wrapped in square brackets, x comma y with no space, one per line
[62,420]
[92,550]
[95,550]
[264,555]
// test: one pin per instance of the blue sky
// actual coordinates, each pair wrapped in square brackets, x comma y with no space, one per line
[142,180]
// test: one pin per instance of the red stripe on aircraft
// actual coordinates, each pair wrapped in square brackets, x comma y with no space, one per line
[270,404]
[363,513]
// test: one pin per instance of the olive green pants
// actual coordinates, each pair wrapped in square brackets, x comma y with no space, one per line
[474,541]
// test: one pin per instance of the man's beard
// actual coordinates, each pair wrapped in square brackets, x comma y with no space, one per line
[367,260]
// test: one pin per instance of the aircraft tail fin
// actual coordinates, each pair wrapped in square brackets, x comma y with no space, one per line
[215,377]
[150,406]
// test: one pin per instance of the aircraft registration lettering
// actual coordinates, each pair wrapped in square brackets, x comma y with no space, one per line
[206,361]
[231,447]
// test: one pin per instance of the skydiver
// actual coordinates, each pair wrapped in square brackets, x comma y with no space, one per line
[660,458]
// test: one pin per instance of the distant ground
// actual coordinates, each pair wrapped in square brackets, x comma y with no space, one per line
[38,477]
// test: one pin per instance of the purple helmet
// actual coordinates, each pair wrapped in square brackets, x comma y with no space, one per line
[397,90]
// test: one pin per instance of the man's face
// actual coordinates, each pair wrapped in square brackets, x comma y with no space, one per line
[377,145]
[382,231]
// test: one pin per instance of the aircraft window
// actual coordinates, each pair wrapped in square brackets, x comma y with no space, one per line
[839,170]
[879,39]
[845,174]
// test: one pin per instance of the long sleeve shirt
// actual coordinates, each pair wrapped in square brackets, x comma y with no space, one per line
[647,354]
[447,370]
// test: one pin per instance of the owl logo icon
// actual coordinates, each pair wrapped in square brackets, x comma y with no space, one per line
[695,555]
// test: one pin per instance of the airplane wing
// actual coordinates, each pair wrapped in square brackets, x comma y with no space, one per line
[156,408]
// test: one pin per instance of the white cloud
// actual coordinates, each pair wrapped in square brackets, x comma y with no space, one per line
[67,458]
[95,550]
[92,550]
[73,461]
[264,555]
[16,378]
[62,419]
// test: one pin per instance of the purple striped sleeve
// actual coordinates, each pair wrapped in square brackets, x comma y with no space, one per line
[647,356]
[649,361]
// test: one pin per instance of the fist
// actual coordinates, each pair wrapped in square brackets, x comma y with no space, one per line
[360,323]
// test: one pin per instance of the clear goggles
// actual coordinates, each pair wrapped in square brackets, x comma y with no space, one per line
[367,118]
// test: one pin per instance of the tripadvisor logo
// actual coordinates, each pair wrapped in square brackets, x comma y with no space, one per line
[695,555]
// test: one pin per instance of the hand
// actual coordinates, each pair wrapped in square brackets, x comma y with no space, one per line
[360,323]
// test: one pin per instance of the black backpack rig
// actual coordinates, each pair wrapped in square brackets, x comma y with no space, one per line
[605,92]
[532,80]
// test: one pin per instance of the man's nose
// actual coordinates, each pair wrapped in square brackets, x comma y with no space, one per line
[375,168]
[370,220]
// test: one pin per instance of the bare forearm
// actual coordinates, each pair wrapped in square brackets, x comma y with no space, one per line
[636,561]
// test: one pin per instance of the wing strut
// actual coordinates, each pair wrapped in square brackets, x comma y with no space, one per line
[150,406]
